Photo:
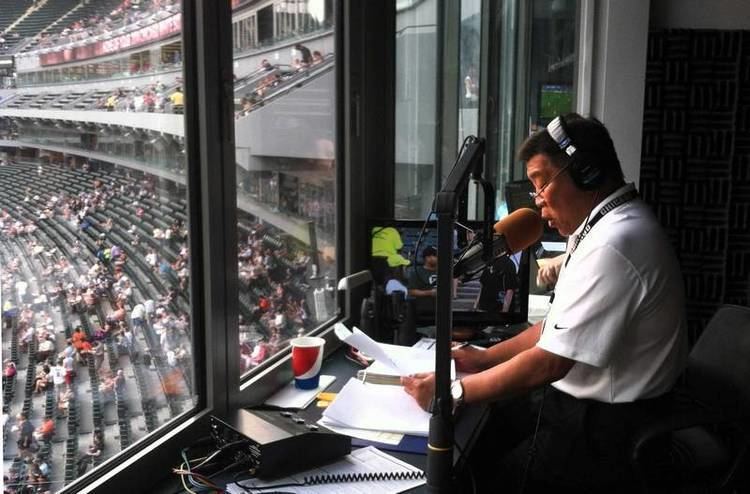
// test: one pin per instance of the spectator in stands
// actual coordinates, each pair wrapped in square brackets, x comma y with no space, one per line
[46,348]
[138,316]
[107,387]
[92,452]
[98,351]
[58,376]
[70,370]
[25,432]
[46,430]
[178,101]
[10,369]
[42,379]
[119,382]
[40,471]
[305,55]
[63,400]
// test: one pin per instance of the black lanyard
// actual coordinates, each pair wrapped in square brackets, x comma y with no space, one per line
[617,201]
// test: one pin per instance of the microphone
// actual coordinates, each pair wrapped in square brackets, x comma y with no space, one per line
[515,232]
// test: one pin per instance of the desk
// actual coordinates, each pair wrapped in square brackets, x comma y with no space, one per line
[468,426]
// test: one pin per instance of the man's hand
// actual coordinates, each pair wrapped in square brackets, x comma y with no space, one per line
[421,387]
[549,270]
[470,359]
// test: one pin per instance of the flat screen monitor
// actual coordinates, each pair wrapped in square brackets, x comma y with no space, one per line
[477,303]
[554,100]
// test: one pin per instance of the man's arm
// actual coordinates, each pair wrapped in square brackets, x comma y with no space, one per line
[416,292]
[511,347]
[523,372]
[507,300]
[471,359]
[527,370]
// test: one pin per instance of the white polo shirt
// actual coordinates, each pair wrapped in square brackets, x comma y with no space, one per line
[619,309]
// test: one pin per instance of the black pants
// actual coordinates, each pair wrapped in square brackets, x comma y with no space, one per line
[581,446]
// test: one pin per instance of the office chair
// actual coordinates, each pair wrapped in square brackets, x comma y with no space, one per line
[701,446]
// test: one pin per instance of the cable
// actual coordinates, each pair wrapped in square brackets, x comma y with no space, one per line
[531,453]
[465,464]
[333,478]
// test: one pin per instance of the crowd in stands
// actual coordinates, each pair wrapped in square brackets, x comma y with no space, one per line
[151,98]
[273,278]
[88,280]
[272,76]
[128,13]
[92,283]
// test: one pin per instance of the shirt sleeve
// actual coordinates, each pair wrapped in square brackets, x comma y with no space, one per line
[595,300]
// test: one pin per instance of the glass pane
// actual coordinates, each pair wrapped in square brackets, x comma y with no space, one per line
[552,62]
[96,337]
[543,73]
[469,51]
[286,176]
[416,59]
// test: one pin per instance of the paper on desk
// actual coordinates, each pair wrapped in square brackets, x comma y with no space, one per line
[392,438]
[365,344]
[389,359]
[368,460]
[376,407]
[291,397]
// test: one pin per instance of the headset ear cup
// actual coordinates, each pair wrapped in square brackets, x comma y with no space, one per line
[584,173]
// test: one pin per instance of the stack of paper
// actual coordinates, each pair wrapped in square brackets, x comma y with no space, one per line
[378,408]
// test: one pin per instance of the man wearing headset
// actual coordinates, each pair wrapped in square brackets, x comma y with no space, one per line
[613,344]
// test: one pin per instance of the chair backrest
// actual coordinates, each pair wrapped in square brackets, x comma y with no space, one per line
[718,372]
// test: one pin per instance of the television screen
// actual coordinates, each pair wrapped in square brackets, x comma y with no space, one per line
[495,297]
[554,100]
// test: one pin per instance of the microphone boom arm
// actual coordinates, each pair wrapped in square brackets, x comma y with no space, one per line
[469,164]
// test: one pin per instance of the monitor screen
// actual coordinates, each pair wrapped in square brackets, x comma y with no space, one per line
[554,100]
[496,297]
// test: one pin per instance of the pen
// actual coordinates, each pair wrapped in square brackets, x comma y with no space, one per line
[460,345]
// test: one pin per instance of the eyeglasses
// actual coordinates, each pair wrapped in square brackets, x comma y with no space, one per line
[535,195]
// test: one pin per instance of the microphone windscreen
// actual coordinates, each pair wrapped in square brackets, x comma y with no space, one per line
[521,228]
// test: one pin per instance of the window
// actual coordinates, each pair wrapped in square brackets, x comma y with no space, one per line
[416,62]
[286,181]
[97,336]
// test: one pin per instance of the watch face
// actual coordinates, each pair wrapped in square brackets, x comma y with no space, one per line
[457,390]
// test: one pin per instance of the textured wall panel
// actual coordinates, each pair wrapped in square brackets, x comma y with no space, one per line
[695,169]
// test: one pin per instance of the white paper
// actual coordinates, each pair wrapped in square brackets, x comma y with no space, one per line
[365,344]
[291,397]
[392,438]
[553,246]
[376,407]
[390,359]
[363,460]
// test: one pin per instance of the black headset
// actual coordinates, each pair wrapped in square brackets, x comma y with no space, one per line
[583,168]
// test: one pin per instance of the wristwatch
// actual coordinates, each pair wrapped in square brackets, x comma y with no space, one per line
[457,393]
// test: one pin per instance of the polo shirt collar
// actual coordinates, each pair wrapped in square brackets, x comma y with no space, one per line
[622,190]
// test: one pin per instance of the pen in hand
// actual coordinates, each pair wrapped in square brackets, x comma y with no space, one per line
[460,345]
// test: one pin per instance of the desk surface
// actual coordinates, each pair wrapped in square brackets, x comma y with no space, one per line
[467,428]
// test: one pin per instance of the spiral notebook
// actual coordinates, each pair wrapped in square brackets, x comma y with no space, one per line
[364,471]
